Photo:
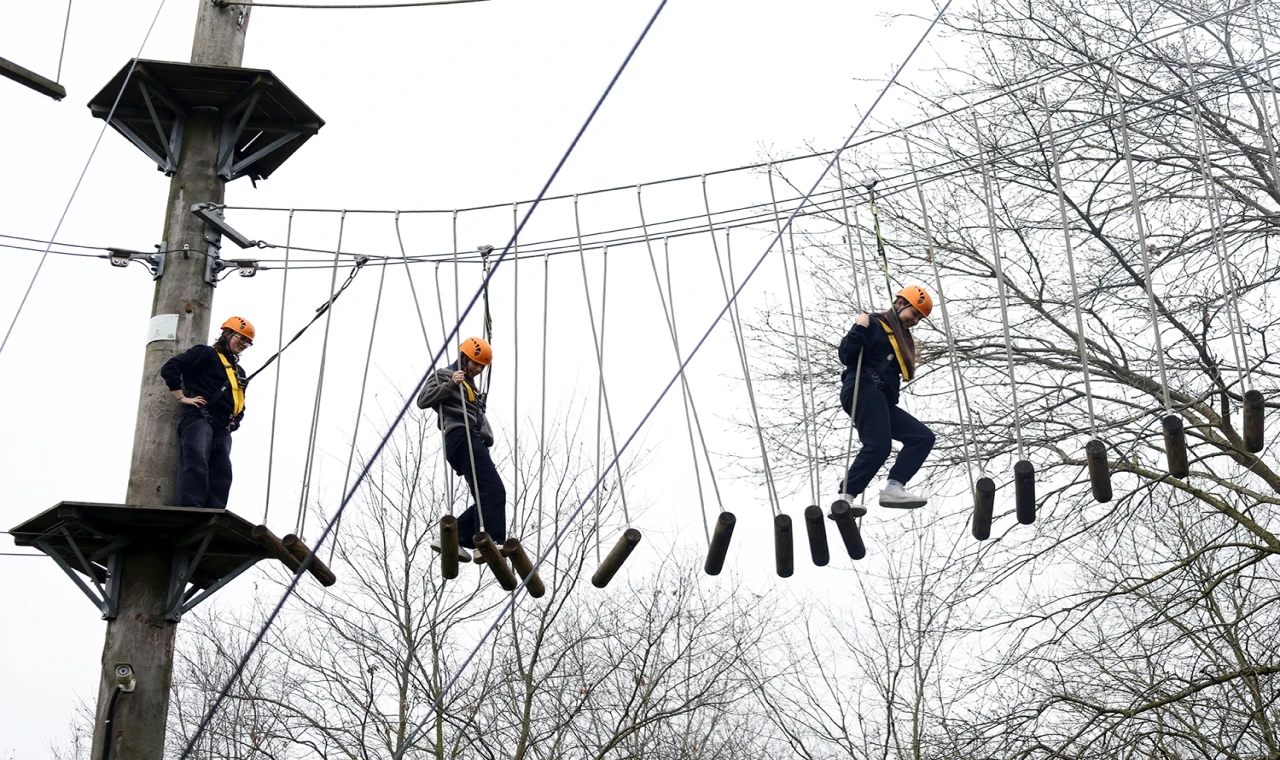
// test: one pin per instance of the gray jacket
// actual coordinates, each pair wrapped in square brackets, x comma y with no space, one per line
[443,396]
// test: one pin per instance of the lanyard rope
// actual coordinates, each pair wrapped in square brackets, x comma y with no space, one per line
[1081,343]
[857,295]
[957,378]
[275,396]
[1000,285]
[668,314]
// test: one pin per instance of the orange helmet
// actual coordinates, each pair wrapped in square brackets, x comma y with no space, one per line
[916,297]
[477,350]
[239,325]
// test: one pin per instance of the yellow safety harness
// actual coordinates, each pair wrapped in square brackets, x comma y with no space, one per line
[897,350]
[237,393]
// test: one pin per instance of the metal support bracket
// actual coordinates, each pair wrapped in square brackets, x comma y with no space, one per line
[186,560]
[154,262]
[105,589]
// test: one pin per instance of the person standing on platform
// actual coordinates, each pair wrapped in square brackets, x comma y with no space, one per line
[209,383]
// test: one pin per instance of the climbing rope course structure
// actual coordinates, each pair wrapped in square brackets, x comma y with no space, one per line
[1034,216]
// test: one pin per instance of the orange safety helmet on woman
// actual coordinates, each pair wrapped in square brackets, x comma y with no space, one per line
[239,325]
[477,350]
[916,297]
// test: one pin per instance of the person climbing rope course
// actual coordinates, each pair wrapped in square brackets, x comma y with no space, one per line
[209,383]
[452,393]
[879,353]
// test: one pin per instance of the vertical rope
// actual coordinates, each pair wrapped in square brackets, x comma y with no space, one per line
[471,454]
[542,422]
[668,314]
[857,296]
[1267,135]
[515,362]
[1142,246]
[1081,344]
[444,331]
[301,523]
[957,378]
[807,377]
[848,234]
[1000,285]
[597,342]
[604,295]
[810,473]
[1214,203]
[866,268]
[275,396]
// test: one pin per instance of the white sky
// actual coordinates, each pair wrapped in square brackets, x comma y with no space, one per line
[425,108]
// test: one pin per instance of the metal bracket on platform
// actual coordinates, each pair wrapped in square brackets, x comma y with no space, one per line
[186,560]
[105,593]
[152,93]
[235,118]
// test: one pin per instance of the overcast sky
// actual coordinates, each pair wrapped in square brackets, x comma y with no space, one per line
[425,108]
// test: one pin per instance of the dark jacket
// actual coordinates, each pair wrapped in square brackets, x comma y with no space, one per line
[199,372]
[443,396]
[879,365]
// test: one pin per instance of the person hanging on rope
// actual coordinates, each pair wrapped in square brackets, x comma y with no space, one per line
[209,384]
[467,438]
[883,344]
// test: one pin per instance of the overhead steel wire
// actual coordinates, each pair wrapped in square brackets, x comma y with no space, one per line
[222,693]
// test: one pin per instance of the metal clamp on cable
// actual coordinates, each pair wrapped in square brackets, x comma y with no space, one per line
[154,262]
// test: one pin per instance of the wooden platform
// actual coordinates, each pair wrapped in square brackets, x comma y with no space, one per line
[210,547]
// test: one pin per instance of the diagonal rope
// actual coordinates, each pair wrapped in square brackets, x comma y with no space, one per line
[94,151]
[413,290]
[275,396]
[404,409]
[66,25]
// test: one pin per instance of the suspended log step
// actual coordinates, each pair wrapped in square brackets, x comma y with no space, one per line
[842,515]
[449,547]
[524,566]
[720,539]
[497,563]
[613,562]
[1175,446]
[301,552]
[783,546]
[1024,491]
[816,527]
[272,543]
[1095,454]
[984,506]
[1254,418]
[27,78]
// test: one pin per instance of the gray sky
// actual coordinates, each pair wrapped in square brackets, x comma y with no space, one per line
[427,108]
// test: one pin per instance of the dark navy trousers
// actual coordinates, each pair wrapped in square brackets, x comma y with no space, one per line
[204,461]
[878,422]
[486,483]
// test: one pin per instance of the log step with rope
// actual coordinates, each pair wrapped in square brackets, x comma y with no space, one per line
[1175,446]
[816,527]
[1024,491]
[783,546]
[842,515]
[984,505]
[618,555]
[1254,411]
[496,562]
[301,552]
[1095,452]
[524,566]
[449,547]
[719,546]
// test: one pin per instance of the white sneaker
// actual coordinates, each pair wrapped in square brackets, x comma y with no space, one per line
[855,509]
[895,496]
[463,554]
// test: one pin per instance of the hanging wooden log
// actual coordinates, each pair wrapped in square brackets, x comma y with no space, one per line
[300,551]
[1024,491]
[855,510]
[1095,453]
[984,506]
[720,539]
[613,562]
[783,546]
[843,516]
[1175,446]
[449,547]
[524,566]
[1254,412]
[816,526]
[497,563]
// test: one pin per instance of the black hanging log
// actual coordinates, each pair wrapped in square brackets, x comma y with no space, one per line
[497,563]
[849,533]
[783,546]
[449,547]
[1254,412]
[613,562]
[816,527]
[720,539]
[524,566]
[1095,453]
[1024,491]
[984,506]
[1175,446]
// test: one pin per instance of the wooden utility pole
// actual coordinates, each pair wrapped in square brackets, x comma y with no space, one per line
[140,635]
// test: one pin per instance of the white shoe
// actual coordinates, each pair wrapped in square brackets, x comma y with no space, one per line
[895,496]
[855,509]
[463,554]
